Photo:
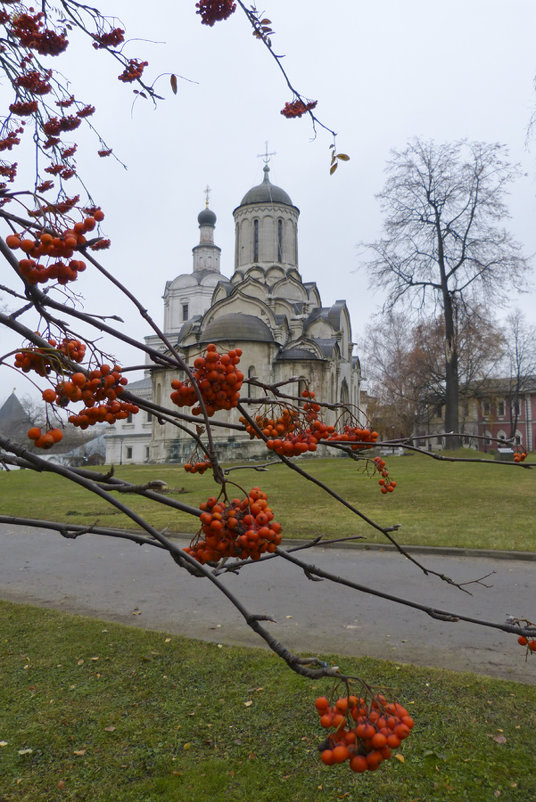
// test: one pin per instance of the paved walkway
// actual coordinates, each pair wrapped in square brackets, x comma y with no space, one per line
[142,586]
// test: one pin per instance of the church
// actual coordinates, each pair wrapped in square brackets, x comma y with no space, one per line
[265,308]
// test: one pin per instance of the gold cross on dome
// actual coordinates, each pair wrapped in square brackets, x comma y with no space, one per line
[266,156]
[207,193]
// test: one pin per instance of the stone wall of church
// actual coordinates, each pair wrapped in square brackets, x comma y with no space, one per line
[266,234]
[328,379]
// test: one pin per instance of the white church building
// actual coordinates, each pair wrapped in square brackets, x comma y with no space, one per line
[265,308]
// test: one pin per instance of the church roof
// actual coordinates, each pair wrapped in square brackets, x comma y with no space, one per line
[266,193]
[327,346]
[246,328]
[12,413]
[295,353]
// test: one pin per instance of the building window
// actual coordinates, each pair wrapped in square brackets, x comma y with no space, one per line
[500,409]
[485,408]
[255,240]
[518,439]
[149,416]
[515,407]
[279,240]
[301,387]
[146,452]
[185,311]
[252,390]
[129,418]
[129,452]
[439,410]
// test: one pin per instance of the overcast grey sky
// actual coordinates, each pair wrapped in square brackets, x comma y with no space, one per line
[382,72]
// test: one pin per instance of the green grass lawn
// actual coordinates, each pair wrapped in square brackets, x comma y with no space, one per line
[437,503]
[91,710]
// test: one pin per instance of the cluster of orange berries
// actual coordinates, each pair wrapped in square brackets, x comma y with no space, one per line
[243,528]
[35,82]
[297,108]
[386,485]
[99,390]
[33,359]
[11,139]
[74,349]
[529,643]
[366,437]
[273,425]
[54,247]
[520,456]
[109,412]
[363,734]
[218,380]
[133,71]
[43,361]
[197,467]
[28,29]
[112,38]
[46,439]
[290,431]
[102,384]
[23,108]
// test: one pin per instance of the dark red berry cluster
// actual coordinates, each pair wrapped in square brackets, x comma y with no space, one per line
[297,108]
[214,10]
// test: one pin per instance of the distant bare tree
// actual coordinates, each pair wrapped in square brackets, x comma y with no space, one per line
[405,364]
[521,362]
[445,247]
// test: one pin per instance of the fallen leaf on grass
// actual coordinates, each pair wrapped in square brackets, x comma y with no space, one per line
[187,745]
[79,752]
[248,704]
[499,739]
[400,757]
[111,728]
[3,743]
[167,640]
[25,751]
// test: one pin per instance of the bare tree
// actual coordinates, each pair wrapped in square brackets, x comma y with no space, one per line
[520,340]
[445,246]
[405,365]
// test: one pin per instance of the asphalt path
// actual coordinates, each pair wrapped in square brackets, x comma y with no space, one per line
[140,585]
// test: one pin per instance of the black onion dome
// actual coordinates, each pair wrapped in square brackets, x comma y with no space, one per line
[206,218]
[266,193]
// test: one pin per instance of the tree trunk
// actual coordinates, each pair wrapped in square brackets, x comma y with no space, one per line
[451,350]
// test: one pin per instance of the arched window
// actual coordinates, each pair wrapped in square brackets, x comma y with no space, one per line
[252,391]
[280,240]
[255,240]
[345,399]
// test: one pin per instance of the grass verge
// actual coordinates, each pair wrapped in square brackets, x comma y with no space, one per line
[100,711]
[437,504]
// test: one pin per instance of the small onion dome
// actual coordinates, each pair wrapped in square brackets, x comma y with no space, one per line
[206,218]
